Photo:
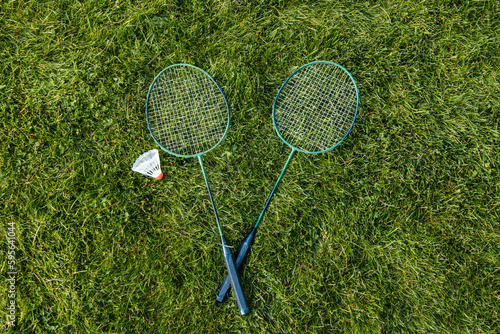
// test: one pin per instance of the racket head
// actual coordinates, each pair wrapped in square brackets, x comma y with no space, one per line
[186,111]
[316,107]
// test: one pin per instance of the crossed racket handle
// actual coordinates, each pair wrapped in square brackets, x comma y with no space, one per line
[232,278]
[242,253]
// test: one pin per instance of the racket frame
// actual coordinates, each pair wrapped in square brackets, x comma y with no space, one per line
[248,241]
[228,259]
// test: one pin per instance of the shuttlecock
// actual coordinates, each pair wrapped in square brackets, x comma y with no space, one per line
[149,164]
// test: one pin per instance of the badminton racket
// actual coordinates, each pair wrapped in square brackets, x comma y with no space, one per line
[188,116]
[313,113]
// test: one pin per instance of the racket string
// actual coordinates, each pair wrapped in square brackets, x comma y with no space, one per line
[187,112]
[318,136]
[316,107]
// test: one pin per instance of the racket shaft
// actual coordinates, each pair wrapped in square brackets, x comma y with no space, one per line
[228,259]
[242,252]
[245,246]
[233,277]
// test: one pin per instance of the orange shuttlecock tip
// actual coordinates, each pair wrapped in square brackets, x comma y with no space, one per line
[159,177]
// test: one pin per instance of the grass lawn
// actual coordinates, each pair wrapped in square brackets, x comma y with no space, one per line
[395,231]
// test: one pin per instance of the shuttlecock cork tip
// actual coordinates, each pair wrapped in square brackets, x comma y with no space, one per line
[159,177]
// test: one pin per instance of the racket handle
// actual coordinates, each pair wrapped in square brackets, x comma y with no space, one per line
[231,269]
[242,252]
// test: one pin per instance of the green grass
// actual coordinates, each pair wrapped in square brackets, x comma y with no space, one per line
[396,230]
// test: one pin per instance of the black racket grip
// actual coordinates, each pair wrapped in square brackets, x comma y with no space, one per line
[242,252]
[233,277]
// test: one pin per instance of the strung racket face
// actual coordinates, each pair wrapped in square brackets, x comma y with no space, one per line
[316,107]
[186,111]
